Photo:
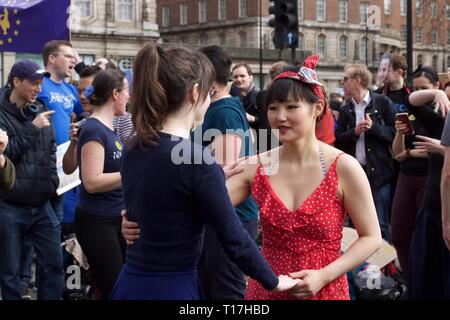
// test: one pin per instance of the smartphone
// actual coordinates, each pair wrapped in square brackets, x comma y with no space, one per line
[404,117]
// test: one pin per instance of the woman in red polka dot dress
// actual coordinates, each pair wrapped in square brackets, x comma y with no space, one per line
[304,189]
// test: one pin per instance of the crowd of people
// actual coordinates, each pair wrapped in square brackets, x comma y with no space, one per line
[177,191]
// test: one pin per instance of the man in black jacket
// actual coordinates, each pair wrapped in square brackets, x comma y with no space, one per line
[366,130]
[25,211]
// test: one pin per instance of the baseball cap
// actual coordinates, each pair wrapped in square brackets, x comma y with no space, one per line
[27,69]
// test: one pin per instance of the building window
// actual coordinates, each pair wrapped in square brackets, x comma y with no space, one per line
[202,11]
[419,6]
[165,16]
[448,61]
[419,60]
[242,39]
[301,42]
[321,45]
[222,40]
[203,40]
[448,36]
[242,8]
[125,63]
[343,46]
[434,62]
[343,10]
[126,10]
[387,6]
[433,9]
[434,36]
[183,13]
[300,9]
[222,9]
[419,35]
[447,10]
[88,59]
[321,10]
[403,7]
[363,49]
[403,33]
[363,12]
[85,8]
[271,44]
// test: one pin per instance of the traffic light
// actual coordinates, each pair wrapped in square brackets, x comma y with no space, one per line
[285,22]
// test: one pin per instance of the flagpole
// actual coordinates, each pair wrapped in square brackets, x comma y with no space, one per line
[70,11]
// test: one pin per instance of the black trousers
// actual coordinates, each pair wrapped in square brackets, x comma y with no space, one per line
[102,243]
[429,259]
[220,278]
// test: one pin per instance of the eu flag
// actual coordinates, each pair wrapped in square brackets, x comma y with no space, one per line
[26,25]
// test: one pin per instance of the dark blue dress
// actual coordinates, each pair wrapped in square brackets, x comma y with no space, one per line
[172,190]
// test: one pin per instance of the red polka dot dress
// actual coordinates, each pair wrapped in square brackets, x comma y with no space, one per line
[309,238]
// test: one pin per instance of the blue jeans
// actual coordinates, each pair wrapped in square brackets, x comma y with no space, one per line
[25,264]
[41,226]
[382,199]
[57,203]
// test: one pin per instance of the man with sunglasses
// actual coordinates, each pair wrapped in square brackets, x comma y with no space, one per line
[365,130]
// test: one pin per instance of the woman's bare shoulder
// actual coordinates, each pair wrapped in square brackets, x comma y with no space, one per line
[250,164]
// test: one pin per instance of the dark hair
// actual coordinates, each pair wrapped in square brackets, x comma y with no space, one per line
[398,61]
[104,84]
[427,72]
[221,62]
[90,71]
[161,80]
[282,89]
[335,96]
[246,66]
[335,105]
[52,47]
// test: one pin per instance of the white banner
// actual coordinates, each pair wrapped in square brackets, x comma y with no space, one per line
[66,182]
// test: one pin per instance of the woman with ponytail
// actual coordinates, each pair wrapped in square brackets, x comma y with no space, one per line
[99,153]
[173,187]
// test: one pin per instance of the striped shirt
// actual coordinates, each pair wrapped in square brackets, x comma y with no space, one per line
[123,126]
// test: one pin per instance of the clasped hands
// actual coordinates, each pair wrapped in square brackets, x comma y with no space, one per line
[364,125]
[303,284]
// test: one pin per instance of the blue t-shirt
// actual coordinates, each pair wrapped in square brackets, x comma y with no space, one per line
[224,115]
[108,204]
[63,98]
[172,189]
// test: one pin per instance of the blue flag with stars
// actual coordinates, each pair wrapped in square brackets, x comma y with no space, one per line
[26,25]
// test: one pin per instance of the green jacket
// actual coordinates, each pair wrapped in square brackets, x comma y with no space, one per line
[7,175]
